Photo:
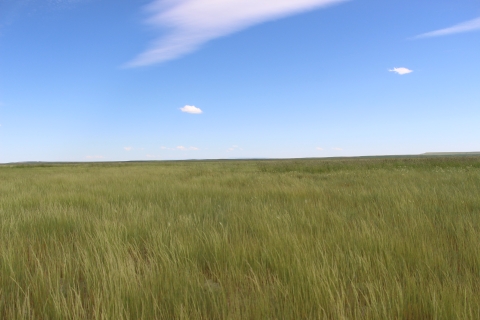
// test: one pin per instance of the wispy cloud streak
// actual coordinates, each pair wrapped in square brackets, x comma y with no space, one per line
[467,26]
[191,23]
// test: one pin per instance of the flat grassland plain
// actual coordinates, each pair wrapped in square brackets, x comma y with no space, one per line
[392,238]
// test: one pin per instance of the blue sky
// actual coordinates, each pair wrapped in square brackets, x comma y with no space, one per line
[104,80]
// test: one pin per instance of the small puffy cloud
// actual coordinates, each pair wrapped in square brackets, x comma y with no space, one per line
[193,148]
[401,71]
[319,149]
[337,149]
[467,26]
[181,148]
[191,109]
[128,148]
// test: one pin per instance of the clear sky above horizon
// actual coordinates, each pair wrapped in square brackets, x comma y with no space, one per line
[104,80]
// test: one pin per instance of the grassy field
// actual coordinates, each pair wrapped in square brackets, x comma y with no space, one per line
[286,239]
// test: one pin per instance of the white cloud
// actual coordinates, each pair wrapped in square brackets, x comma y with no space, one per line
[467,26]
[182,148]
[401,71]
[128,148]
[318,148]
[191,109]
[337,149]
[191,23]
[234,148]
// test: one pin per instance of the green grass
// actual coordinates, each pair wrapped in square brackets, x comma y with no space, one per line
[395,238]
